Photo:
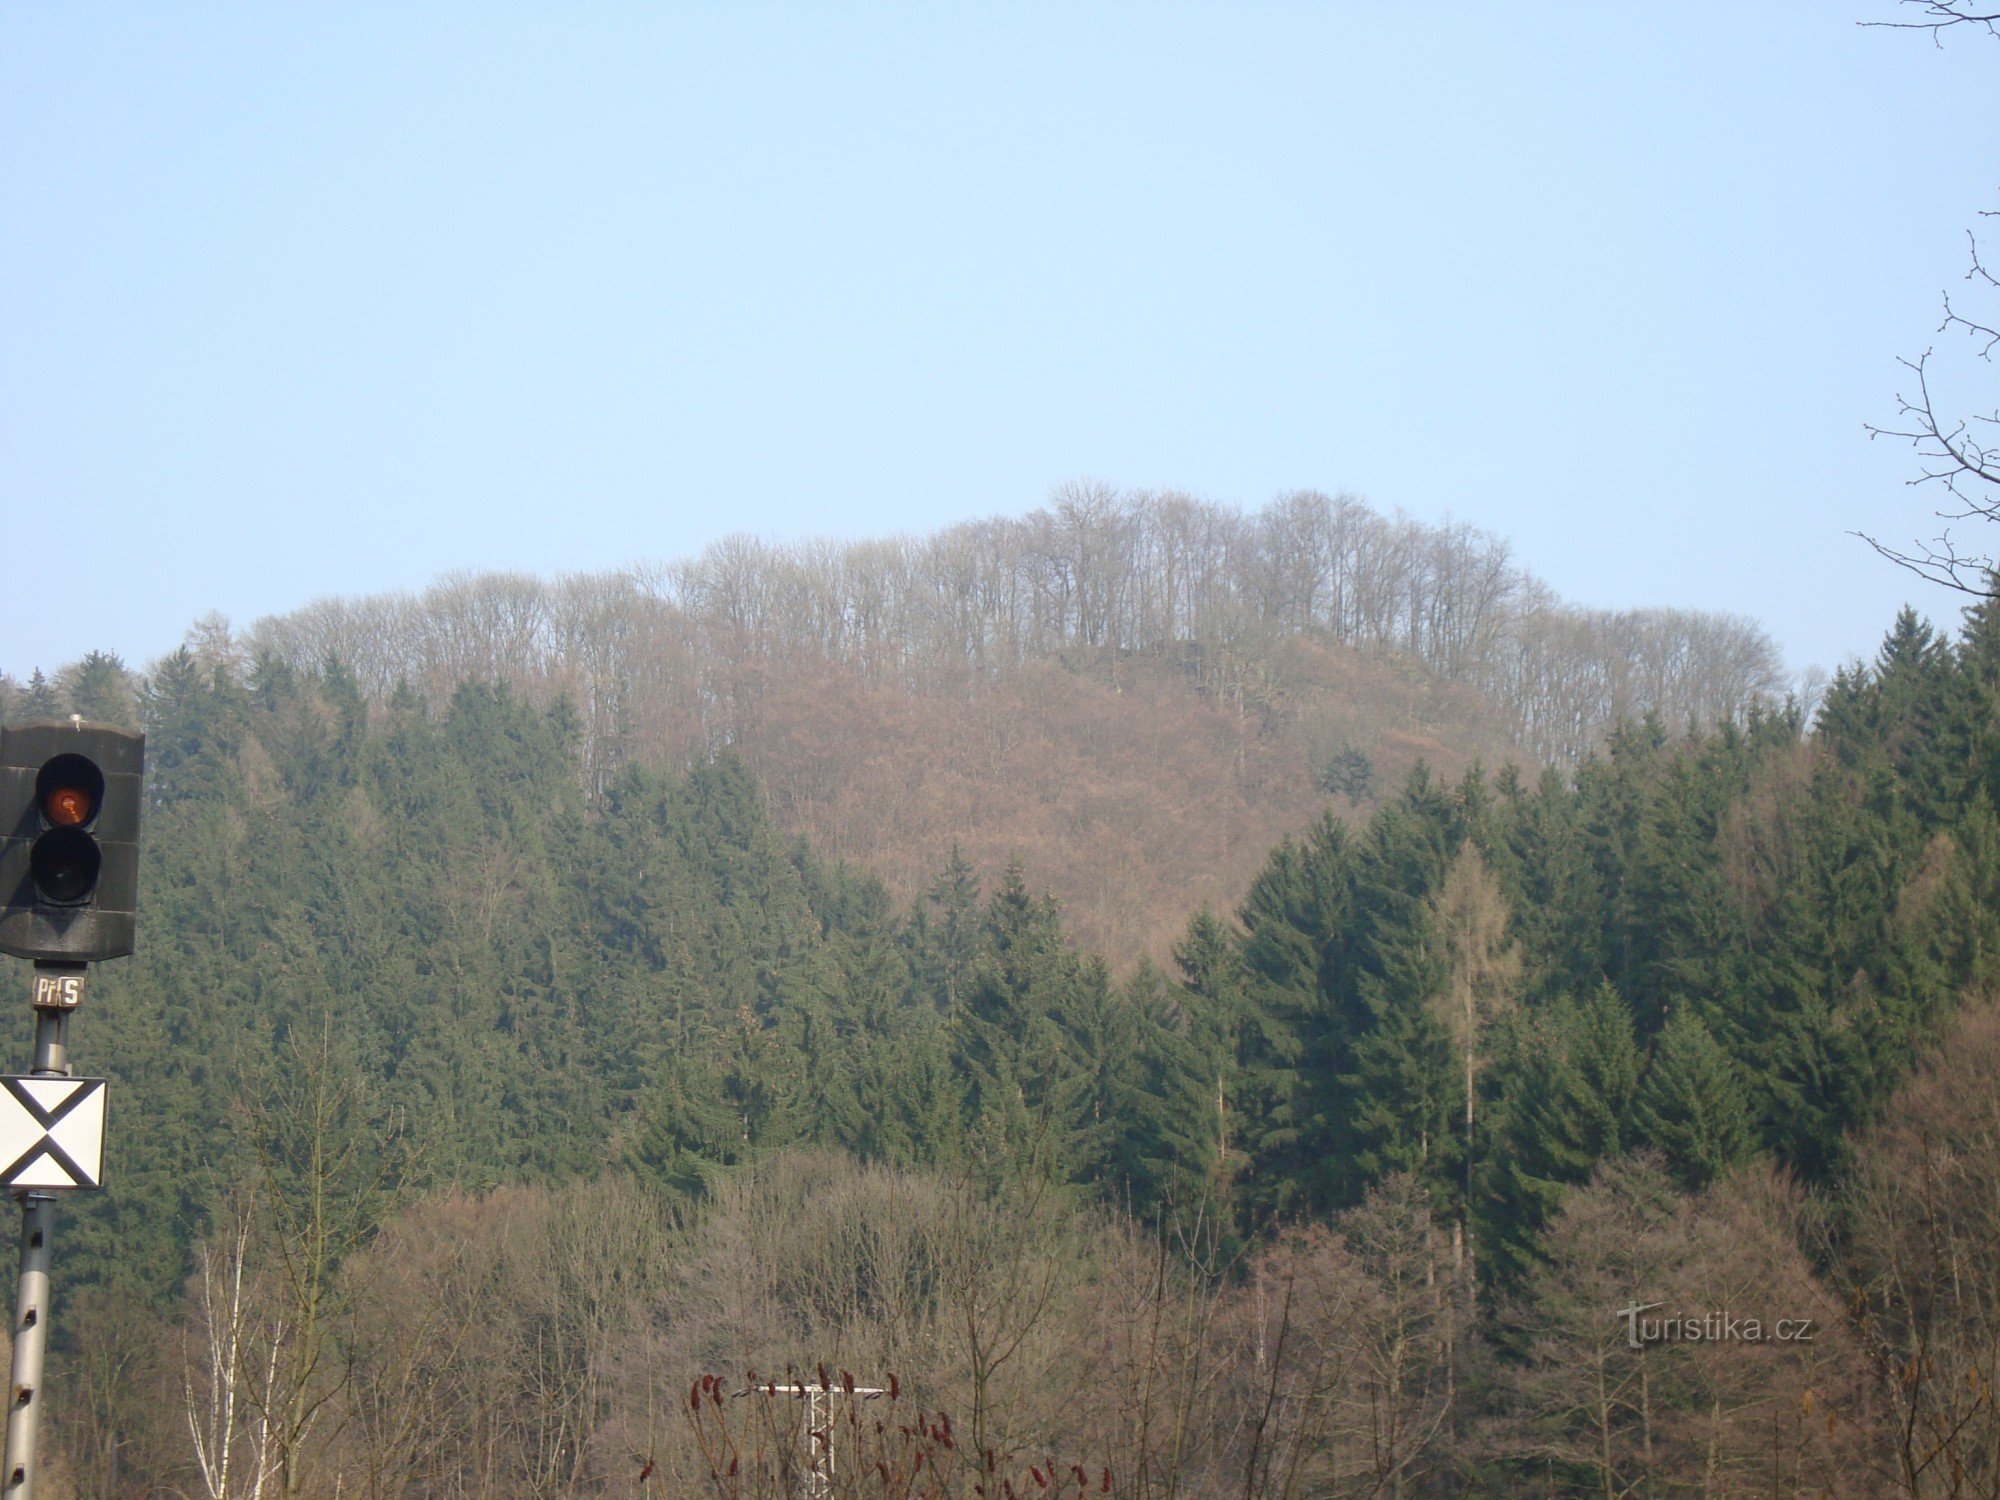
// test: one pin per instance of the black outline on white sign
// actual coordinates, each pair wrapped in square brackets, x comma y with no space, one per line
[48,1119]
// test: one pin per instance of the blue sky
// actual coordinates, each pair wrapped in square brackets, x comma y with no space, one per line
[306,300]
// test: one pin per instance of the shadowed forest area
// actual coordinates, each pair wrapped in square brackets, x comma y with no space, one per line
[512,1117]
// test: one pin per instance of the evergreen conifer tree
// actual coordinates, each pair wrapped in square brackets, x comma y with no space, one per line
[1690,1104]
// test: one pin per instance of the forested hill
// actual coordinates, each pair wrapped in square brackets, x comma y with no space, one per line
[1716,945]
[1135,695]
[399,969]
[540,987]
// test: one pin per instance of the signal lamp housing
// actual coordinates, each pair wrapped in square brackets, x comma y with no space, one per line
[69,840]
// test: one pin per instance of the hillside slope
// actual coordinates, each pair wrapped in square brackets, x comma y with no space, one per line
[1133,800]
[1132,694]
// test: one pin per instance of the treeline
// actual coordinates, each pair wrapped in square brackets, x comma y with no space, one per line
[670,661]
[1132,695]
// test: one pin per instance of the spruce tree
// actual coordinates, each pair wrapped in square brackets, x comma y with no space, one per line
[945,932]
[1690,1104]
[1402,1090]
[1296,1021]
[1567,1074]
[39,700]
[1210,961]
[100,689]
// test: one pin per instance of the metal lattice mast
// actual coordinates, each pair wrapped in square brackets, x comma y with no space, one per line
[816,1445]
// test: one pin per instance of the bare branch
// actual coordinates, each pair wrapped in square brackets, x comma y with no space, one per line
[1940,16]
[1953,452]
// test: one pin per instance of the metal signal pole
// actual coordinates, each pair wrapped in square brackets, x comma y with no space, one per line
[38,1213]
[70,799]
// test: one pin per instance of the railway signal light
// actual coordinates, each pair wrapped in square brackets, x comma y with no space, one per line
[69,840]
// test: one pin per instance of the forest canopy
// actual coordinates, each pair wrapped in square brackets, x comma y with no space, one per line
[420,932]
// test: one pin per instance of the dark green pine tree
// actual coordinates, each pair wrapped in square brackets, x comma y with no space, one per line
[272,682]
[195,726]
[39,700]
[487,1004]
[1402,1095]
[1954,938]
[1348,773]
[1979,634]
[762,1080]
[871,1030]
[1552,881]
[1927,717]
[1282,1007]
[690,1130]
[1143,1124]
[1978,703]
[1613,793]
[1025,1091]
[1565,1082]
[1690,1104]
[907,1104]
[101,690]
[1292,1028]
[947,932]
[1839,984]
[1685,948]
[1210,960]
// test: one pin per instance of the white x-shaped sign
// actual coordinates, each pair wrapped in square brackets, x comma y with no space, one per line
[51,1132]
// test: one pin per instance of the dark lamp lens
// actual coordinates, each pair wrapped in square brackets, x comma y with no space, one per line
[64,864]
[67,806]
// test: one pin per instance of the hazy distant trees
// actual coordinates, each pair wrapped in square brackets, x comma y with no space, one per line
[674,657]
[1127,691]
[98,686]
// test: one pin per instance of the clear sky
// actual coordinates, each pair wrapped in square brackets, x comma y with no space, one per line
[299,300]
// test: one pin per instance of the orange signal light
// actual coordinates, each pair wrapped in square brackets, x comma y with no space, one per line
[67,807]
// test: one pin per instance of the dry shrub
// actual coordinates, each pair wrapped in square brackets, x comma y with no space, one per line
[1718,1404]
[114,1418]
[484,1345]
[1056,1346]
[598,1341]
[1921,1220]
[968,1296]
[537,1342]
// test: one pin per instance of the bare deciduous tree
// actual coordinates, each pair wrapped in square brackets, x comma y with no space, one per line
[1922,1232]
[1956,439]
